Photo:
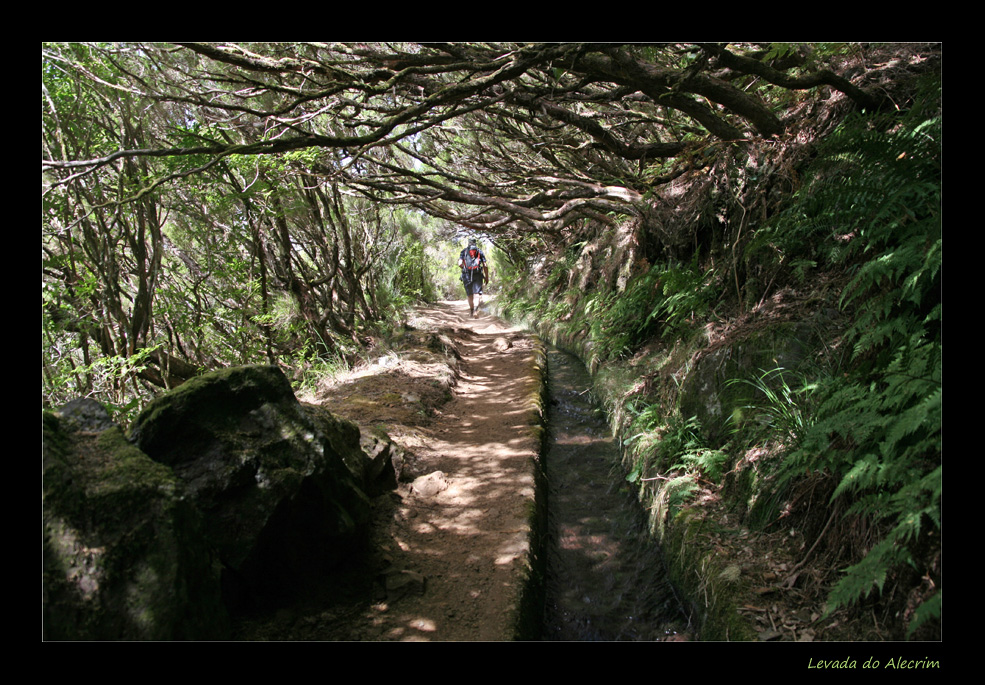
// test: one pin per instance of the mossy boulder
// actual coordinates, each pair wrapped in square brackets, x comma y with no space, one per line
[124,556]
[278,499]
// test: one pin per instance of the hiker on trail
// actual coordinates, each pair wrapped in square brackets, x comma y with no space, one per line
[475,272]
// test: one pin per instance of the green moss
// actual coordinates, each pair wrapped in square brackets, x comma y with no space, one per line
[213,400]
[124,552]
[529,611]
[126,465]
[711,582]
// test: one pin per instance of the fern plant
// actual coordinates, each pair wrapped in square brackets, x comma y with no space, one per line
[686,293]
[661,301]
[672,447]
[876,199]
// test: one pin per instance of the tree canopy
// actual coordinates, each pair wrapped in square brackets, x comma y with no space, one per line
[273,175]
[300,158]
[484,134]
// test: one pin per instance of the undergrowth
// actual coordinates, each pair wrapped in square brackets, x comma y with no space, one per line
[874,205]
[672,450]
[868,425]
[666,301]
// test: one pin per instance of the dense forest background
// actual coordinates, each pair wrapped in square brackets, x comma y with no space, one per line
[209,205]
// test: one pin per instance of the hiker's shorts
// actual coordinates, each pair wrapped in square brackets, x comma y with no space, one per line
[473,287]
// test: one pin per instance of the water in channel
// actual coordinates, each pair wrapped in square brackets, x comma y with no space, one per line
[605,581]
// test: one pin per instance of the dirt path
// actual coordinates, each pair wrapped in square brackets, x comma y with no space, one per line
[450,548]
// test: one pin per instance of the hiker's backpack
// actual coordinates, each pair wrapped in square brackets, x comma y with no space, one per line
[472,265]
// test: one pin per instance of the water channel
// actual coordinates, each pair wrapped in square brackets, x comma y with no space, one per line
[605,581]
